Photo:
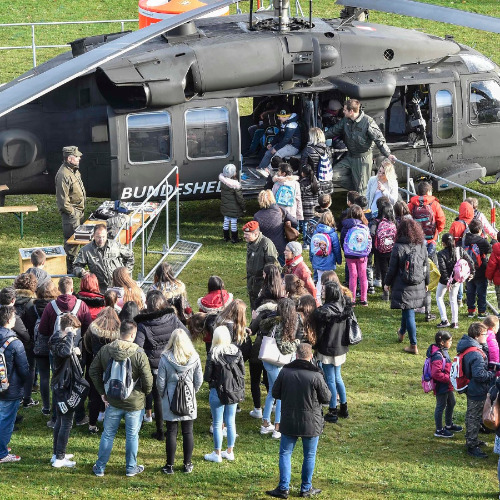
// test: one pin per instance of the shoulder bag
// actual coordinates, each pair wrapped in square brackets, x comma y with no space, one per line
[270,353]
[355,335]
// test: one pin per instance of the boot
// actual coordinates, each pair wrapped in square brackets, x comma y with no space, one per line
[343,412]
[411,349]
[234,237]
[332,416]
[385,295]
[226,235]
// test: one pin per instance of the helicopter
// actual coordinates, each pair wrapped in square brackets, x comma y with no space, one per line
[139,103]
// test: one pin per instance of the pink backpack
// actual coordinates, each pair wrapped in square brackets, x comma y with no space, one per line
[385,236]
[461,270]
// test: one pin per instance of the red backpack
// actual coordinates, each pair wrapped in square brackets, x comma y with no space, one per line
[424,215]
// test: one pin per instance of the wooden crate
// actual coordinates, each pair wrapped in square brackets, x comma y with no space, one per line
[55,264]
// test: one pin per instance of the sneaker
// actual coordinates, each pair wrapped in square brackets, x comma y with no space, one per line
[476,452]
[454,428]
[454,326]
[167,469]
[138,469]
[93,429]
[460,303]
[46,411]
[227,456]
[188,468]
[63,463]
[147,420]
[443,433]
[224,431]
[238,409]
[266,430]
[363,303]
[263,172]
[430,317]
[256,413]
[481,316]
[213,457]
[278,493]
[83,421]
[276,434]
[471,314]
[100,418]
[51,424]
[310,492]
[377,283]
[96,471]
[305,246]
[30,403]
[68,456]
[9,458]
[443,324]
[371,290]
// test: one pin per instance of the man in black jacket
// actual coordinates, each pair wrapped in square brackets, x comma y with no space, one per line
[302,390]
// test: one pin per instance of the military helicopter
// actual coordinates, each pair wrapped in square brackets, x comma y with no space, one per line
[140,103]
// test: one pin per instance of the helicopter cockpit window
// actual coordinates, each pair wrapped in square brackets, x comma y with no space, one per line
[484,104]
[207,132]
[444,114]
[149,137]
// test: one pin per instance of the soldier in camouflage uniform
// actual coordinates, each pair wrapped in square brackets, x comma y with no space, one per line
[70,198]
[359,132]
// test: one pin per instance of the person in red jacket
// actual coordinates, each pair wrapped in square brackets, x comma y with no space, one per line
[294,264]
[461,223]
[493,268]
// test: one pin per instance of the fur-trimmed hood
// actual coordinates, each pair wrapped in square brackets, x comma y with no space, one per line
[91,299]
[230,183]
[213,303]
[145,316]
[270,306]
[100,332]
[288,178]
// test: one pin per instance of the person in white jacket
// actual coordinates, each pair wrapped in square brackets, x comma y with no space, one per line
[488,229]
[385,183]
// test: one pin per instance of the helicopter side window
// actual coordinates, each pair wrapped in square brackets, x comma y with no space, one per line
[207,132]
[444,114]
[484,104]
[149,137]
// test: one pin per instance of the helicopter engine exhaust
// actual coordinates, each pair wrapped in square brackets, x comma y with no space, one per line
[176,74]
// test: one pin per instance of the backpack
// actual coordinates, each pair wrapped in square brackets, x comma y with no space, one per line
[428,383]
[74,312]
[321,245]
[325,170]
[4,376]
[182,403]
[230,384]
[461,242]
[285,196]
[269,135]
[414,267]
[357,242]
[424,215]
[475,254]
[461,270]
[41,342]
[458,379]
[310,229]
[118,381]
[385,236]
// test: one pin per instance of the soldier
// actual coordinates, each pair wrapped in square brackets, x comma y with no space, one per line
[70,197]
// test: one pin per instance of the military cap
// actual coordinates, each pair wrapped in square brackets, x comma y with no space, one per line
[71,150]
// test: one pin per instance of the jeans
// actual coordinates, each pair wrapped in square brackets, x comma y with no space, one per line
[272,375]
[285,151]
[8,412]
[357,269]
[479,288]
[440,292]
[431,252]
[256,140]
[222,412]
[408,325]
[446,400]
[43,365]
[64,422]
[334,382]
[187,440]
[112,419]
[287,444]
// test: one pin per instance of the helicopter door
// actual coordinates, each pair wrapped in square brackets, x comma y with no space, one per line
[444,114]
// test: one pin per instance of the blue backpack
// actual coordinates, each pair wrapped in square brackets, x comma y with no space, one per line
[357,242]
[285,196]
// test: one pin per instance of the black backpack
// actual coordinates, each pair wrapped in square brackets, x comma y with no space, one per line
[182,403]
[230,385]
[414,267]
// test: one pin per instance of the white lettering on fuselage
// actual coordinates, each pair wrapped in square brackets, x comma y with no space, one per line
[190,188]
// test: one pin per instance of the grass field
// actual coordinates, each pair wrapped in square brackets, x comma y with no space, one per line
[385,450]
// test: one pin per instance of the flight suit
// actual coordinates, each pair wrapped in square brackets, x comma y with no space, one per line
[70,198]
[354,169]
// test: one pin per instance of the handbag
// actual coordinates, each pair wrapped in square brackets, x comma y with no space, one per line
[491,410]
[355,335]
[270,353]
[291,234]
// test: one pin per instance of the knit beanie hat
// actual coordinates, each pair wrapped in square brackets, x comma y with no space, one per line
[295,248]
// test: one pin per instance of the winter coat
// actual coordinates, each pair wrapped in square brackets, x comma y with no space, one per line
[332,333]
[293,181]
[309,199]
[439,217]
[97,338]
[245,347]
[232,203]
[311,155]
[31,317]
[493,350]
[17,366]
[213,367]
[403,295]
[24,301]
[168,375]
[70,191]
[440,376]
[41,275]
[390,190]
[271,222]
[302,389]
[95,302]
[154,330]
[484,248]
[475,367]
[493,266]
[329,262]
[215,301]
[465,216]
[141,372]
[299,268]
[346,225]
[264,311]
[447,259]
[289,134]
[259,253]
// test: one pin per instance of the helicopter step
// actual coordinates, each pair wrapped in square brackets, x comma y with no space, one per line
[461,173]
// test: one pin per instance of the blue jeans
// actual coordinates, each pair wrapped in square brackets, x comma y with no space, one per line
[287,444]
[479,288]
[222,412]
[256,139]
[334,382]
[8,412]
[272,375]
[408,325]
[112,419]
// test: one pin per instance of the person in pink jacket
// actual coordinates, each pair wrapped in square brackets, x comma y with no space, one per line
[491,322]
[493,268]
[294,264]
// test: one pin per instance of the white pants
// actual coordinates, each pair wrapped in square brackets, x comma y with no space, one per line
[441,290]
[319,286]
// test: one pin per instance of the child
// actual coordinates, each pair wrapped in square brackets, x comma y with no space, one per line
[491,322]
[309,189]
[286,190]
[446,262]
[232,204]
[351,197]
[38,259]
[488,229]
[401,211]
[493,268]
[440,373]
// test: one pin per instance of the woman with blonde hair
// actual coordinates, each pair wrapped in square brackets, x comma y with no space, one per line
[222,400]
[126,288]
[385,183]
[179,361]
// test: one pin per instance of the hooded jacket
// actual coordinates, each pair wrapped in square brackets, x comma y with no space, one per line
[289,134]
[232,203]
[302,389]
[493,267]
[271,222]
[168,375]
[439,216]
[475,367]
[447,259]
[484,249]
[292,181]
[120,350]
[465,216]
[215,301]
[440,375]
[154,330]
[17,366]
[329,262]
[213,367]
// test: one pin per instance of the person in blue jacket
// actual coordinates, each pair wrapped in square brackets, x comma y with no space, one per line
[324,250]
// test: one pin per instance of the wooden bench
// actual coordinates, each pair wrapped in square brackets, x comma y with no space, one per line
[19,211]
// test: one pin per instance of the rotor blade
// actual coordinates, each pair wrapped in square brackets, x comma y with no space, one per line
[30,89]
[430,12]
